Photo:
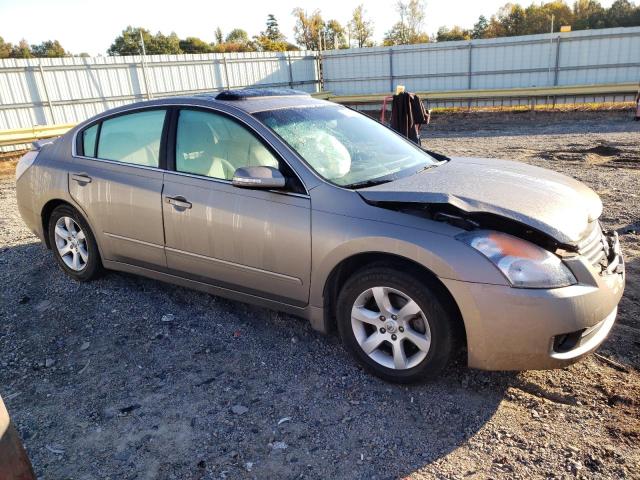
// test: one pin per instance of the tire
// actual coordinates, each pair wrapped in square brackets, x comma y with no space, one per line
[74,236]
[433,322]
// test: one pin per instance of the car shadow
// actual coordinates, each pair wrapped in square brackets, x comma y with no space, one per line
[146,378]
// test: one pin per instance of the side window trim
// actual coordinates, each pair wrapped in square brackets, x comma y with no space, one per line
[79,140]
[172,144]
[171,139]
[95,146]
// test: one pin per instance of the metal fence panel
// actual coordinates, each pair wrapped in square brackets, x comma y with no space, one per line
[572,58]
[69,90]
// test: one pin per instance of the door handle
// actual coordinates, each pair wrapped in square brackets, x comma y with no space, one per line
[178,202]
[81,178]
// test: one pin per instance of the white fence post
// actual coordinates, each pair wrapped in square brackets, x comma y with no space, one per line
[290,70]
[46,93]
[226,72]
[391,87]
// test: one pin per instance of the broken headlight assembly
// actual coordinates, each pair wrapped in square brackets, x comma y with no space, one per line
[524,264]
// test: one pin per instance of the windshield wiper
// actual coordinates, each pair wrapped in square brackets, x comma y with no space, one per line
[432,165]
[369,183]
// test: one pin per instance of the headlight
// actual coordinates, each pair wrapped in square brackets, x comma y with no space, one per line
[524,264]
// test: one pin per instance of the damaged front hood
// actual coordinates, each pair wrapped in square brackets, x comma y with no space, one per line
[547,201]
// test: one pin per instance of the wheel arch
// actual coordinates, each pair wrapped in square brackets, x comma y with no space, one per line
[45,215]
[48,209]
[352,264]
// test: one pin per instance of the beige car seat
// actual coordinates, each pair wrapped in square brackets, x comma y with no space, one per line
[202,154]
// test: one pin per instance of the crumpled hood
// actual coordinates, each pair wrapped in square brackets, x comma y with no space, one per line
[550,202]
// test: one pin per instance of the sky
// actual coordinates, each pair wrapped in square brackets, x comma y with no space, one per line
[91,26]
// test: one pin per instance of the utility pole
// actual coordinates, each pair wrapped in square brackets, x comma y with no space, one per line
[144,66]
[144,52]
[550,47]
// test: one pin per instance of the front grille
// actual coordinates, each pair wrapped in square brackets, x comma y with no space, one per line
[594,247]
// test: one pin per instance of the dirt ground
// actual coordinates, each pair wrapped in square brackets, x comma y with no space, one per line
[127,378]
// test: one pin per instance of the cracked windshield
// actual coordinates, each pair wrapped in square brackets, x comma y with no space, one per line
[346,147]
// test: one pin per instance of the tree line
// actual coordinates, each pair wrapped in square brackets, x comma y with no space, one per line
[513,19]
[312,32]
[48,49]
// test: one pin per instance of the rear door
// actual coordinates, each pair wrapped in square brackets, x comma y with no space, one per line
[117,181]
[254,241]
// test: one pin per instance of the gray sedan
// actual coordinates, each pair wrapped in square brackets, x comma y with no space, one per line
[300,205]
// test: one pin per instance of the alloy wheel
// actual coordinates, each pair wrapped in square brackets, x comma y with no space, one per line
[391,328]
[71,243]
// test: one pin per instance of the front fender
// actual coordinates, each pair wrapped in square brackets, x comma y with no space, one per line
[338,237]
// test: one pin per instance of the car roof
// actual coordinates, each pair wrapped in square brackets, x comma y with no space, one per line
[248,100]
[253,100]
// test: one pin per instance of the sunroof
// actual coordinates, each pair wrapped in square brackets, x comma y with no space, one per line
[246,93]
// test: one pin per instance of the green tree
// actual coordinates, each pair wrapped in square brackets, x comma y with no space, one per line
[237,35]
[455,33]
[588,14]
[334,35]
[5,48]
[623,13]
[272,39]
[128,42]
[480,27]
[48,49]
[236,41]
[273,32]
[361,29]
[512,18]
[308,28]
[163,44]
[195,45]
[219,38]
[538,17]
[408,29]
[21,50]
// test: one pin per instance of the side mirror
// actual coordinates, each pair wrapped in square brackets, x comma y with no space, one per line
[258,177]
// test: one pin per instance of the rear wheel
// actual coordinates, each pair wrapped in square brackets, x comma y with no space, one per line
[73,244]
[395,325]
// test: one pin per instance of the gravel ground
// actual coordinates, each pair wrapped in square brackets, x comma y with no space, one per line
[129,378]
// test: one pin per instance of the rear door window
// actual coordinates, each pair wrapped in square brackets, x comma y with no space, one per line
[89,137]
[132,138]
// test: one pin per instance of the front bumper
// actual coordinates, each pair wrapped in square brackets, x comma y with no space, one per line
[527,329]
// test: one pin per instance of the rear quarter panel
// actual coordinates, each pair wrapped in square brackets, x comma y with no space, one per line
[47,180]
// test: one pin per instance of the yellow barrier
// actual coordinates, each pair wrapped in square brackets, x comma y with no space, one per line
[17,136]
[601,89]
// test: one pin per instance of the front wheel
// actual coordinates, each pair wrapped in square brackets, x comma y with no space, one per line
[395,325]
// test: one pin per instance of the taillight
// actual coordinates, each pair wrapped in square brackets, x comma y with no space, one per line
[25,162]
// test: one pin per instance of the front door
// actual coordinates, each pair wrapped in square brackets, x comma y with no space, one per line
[117,181]
[254,241]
